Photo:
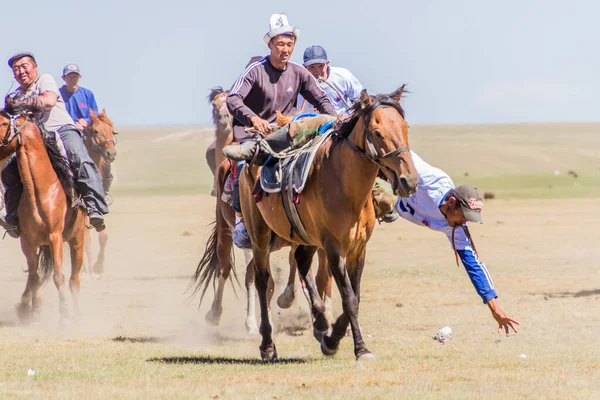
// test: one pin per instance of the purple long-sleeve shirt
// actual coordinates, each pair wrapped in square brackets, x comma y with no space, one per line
[262,89]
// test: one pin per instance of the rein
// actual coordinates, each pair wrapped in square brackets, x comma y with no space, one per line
[12,131]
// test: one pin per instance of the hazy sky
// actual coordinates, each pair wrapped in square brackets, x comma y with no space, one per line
[152,62]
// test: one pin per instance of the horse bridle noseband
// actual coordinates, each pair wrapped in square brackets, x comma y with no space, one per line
[13,131]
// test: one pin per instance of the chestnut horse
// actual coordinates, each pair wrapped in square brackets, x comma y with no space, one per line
[100,141]
[340,222]
[217,264]
[46,219]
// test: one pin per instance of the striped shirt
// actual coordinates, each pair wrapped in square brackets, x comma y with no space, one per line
[262,89]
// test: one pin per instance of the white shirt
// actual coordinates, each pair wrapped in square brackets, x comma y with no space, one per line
[345,83]
[423,207]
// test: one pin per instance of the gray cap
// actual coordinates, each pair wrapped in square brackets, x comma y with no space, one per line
[470,201]
[71,69]
[315,55]
[18,56]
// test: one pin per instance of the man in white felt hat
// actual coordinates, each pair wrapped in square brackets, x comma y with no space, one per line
[269,84]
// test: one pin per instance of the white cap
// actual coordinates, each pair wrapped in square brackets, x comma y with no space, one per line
[279,25]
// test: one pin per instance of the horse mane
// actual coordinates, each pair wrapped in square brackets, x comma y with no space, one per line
[15,108]
[357,111]
[214,92]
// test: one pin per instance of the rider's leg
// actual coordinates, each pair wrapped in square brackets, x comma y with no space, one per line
[240,234]
[107,180]
[86,176]
[12,195]
[294,135]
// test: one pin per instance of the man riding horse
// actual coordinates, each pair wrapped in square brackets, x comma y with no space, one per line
[41,90]
[268,85]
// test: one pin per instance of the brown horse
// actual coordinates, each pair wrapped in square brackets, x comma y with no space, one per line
[336,211]
[100,141]
[45,218]
[217,264]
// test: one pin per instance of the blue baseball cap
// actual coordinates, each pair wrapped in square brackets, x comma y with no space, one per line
[71,69]
[315,55]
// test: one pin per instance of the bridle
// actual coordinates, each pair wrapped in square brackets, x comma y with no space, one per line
[371,152]
[97,145]
[12,131]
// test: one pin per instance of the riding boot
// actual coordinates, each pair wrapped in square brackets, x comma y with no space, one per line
[277,142]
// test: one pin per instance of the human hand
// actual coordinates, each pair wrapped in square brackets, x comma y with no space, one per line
[261,125]
[81,124]
[504,321]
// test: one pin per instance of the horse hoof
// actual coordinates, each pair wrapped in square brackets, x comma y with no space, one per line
[326,350]
[286,299]
[251,327]
[320,334]
[269,354]
[212,318]
[24,313]
[96,276]
[368,356]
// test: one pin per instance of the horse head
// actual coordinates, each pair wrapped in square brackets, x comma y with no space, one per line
[221,116]
[14,110]
[100,136]
[383,138]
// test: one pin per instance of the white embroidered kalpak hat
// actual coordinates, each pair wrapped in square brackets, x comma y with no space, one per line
[279,25]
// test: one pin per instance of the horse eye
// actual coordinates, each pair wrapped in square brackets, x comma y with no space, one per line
[378,134]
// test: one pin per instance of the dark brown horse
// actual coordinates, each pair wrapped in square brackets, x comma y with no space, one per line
[100,141]
[336,211]
[46,219]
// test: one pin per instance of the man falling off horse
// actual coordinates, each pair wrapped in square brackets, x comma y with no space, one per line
[41,90]
[268,85]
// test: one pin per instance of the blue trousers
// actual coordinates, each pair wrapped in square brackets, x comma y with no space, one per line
[85,173]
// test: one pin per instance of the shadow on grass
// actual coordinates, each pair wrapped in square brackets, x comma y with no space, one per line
[207,360]
[562,295]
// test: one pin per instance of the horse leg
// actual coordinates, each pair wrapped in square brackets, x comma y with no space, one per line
[29,307]
[325,284]
[224,261]
[304,256]
[286,299]
[99,265]
[76,246]
[88,251]
[56,247]
[251,325]
[330,344]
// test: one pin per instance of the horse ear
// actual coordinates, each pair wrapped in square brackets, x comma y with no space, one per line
[92,115]
[397,95]
[282,120]
[103,113]
[365,99]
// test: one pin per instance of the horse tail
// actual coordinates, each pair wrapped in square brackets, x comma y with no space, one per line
[208,267]
[45,263]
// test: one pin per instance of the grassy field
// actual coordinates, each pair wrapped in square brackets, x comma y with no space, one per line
[142,338]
